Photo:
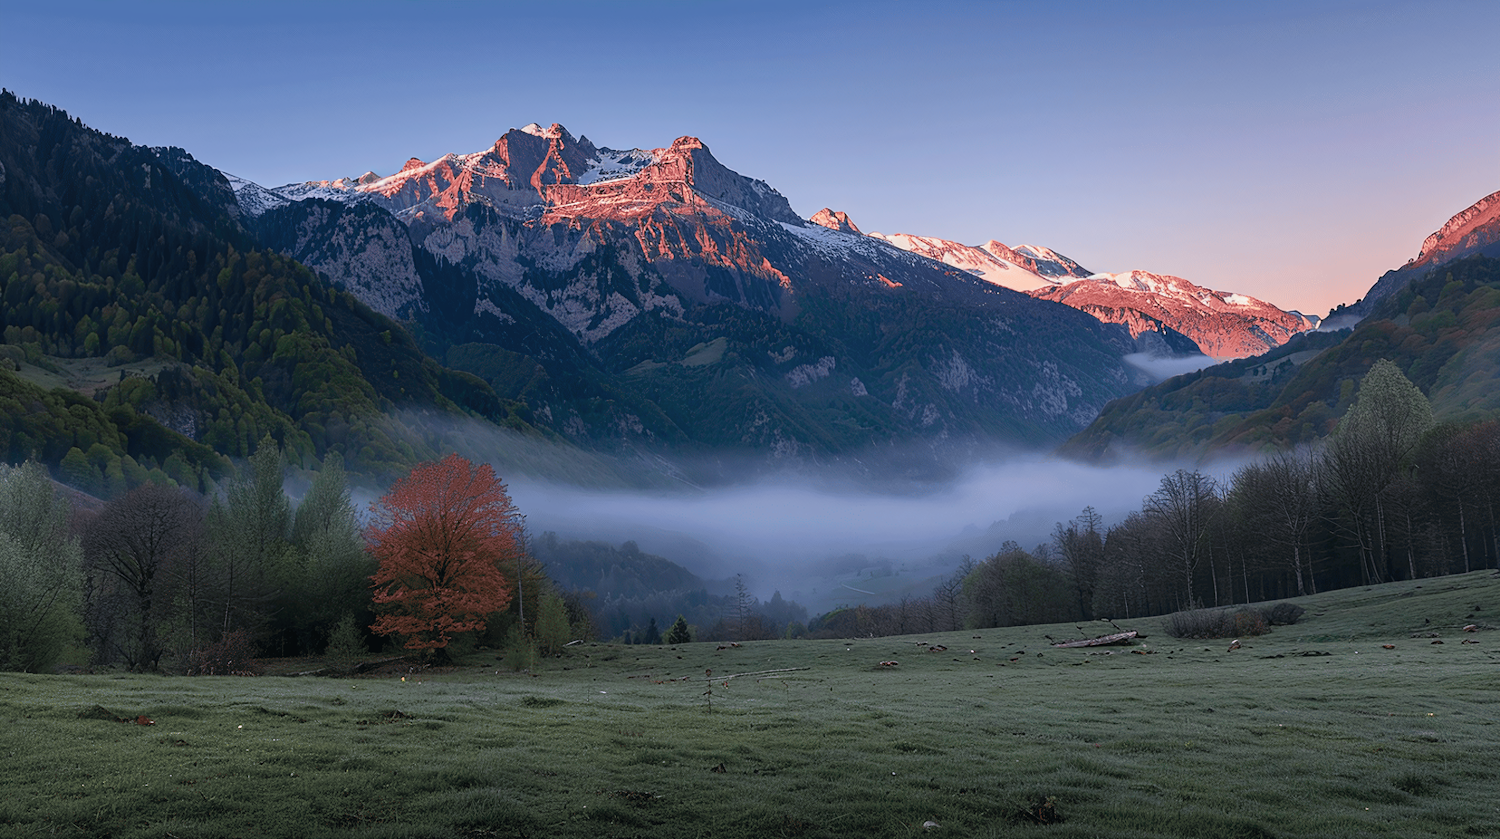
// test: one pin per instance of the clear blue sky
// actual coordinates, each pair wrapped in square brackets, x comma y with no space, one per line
[1293,151]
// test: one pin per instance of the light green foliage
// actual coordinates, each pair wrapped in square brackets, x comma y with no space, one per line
[331,572]
[520,651]
[248,529]
[40,570]
[345,644]
[1390,415]
[551,624]
[1187,741]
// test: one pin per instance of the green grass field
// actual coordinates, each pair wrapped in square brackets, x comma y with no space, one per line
[1314,730]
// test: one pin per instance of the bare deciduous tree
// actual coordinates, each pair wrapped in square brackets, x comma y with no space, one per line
[131,548]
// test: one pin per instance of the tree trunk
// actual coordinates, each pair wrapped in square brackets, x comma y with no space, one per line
[1118,638]
[1463,535]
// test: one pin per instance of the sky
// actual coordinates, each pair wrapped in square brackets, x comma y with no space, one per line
[1292,151]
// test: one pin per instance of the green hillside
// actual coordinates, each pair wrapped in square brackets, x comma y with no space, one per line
[106,254]
[1441,331]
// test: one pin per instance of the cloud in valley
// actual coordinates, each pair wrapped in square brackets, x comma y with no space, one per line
[779,530]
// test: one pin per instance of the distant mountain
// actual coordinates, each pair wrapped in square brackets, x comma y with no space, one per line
[1476,230]
[1026,268]
[1440,329]
[1223,324]
[656,301]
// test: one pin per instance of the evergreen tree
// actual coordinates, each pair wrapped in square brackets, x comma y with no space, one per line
[249,529]
[328,571]
[679,632]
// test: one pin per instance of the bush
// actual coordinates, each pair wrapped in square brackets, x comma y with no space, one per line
[679,633]
[1217,623]
[520,651]
[232,656]
[1282,614]
[345,644]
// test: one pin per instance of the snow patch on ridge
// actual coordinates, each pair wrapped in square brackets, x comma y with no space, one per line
[613,165]
[253,198]
[806,374]
[987,263]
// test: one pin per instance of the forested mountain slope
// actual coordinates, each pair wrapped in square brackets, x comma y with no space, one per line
[1442,330]
[106,252]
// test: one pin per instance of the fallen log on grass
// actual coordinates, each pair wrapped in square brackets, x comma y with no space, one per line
[1117,639]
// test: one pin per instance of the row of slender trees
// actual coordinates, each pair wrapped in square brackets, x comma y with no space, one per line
[1390,495]
[160,572]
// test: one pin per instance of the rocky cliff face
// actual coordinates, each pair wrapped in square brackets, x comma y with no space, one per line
[1469,232]
[1223,324]
[839,221]
[357,247]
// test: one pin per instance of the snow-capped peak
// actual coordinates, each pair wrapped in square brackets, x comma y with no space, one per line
[992,261]
[1225,324]
[254,199]
[832,220]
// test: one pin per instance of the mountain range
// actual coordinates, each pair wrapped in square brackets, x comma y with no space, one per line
[651,306]
[635,300]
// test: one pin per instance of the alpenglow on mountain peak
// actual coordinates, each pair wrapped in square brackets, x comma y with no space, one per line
[663,265]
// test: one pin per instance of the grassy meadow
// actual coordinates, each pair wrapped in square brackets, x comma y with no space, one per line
[1314,730]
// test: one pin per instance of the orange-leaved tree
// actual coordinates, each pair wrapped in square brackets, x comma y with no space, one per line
[441,535]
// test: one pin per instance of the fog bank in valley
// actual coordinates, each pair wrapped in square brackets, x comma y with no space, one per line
[1161,368]
[782,533]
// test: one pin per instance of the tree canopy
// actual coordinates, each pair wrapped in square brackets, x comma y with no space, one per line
[441,534]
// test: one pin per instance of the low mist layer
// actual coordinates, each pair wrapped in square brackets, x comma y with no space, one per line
[779,532]
[1161,368]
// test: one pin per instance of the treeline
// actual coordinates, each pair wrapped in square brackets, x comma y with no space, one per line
[165,579]
[1390,495]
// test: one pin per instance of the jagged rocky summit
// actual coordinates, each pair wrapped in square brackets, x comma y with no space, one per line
[629,275]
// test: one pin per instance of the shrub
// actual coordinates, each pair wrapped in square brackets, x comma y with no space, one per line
[345,644]
[1217,623]
[234,655]
[1249,622]
[520,651]
[679,633]
[1282,614]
